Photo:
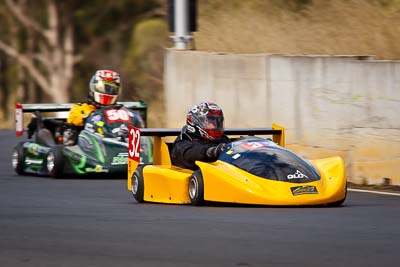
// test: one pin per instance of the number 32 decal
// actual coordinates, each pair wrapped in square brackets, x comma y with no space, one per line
[134,143]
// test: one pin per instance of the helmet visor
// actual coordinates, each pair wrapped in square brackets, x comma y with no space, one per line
[212,122]
[107,88]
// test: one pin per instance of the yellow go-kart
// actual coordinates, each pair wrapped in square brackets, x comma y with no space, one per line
[251,170]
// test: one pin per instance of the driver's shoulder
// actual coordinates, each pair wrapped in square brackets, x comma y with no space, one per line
[83,105]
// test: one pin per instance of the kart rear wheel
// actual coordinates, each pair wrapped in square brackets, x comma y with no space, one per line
[196,188]
[138,184]
[18,159]
[55,161]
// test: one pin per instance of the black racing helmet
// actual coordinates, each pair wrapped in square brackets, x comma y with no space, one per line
[206,120]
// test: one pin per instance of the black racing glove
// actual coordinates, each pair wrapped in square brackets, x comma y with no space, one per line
[214,151]
[122,132]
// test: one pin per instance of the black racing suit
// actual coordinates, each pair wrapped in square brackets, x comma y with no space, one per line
[188,148]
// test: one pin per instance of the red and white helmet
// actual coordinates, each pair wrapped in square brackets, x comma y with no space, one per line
[105,86]
[206,120]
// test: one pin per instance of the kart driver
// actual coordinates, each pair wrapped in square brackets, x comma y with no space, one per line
[202,138]
[104,86]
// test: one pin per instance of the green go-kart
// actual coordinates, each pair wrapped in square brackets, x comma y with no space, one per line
[100,148]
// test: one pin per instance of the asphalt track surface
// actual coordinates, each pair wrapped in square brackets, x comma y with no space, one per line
[96,222]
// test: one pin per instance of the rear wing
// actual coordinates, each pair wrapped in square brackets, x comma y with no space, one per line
[277,132]
[139,106]
[161,154]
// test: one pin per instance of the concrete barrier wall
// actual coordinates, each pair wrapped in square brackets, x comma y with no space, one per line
[329,105]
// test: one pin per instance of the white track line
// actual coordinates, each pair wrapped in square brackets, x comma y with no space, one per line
[373,192]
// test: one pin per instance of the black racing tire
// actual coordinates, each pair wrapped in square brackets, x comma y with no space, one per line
[137,183]
[18,159]
[337,203]
[340,202]
[55,161]
[196,188]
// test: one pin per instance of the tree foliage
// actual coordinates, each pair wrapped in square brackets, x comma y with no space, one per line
[143,65]
[49,49]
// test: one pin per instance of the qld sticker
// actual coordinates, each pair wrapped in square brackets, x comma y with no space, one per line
[304,189]
[297,175]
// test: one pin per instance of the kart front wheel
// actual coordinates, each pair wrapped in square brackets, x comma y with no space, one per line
[196,188]
[340,202]
[55,161]
[18,159]
[137,184]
